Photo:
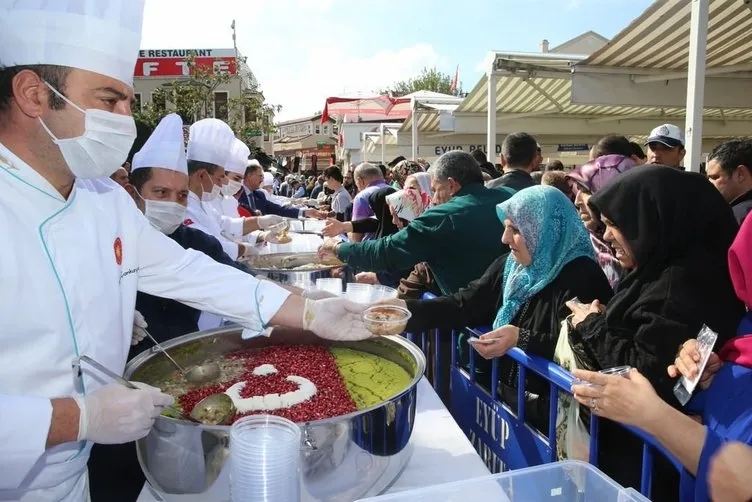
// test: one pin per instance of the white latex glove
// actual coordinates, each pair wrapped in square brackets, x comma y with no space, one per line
[116,414]
[264,222]
[335,319]
[139,328]
[247,250]
[317,294]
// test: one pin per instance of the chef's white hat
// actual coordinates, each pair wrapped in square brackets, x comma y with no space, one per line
[210,140]
[254,163]
[268,180]
[165,147]
[102,36]
[238,157]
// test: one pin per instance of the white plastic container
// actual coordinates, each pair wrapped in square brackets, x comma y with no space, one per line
[265,459]
[568,481]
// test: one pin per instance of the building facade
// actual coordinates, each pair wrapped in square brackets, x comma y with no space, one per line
[305,144]
[157,68]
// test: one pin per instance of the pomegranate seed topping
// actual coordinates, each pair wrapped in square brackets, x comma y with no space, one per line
[314,363]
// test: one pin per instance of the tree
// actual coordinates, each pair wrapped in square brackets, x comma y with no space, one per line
[193,99]
[430,79]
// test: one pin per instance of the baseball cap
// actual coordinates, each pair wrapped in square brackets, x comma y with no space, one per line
[667,134]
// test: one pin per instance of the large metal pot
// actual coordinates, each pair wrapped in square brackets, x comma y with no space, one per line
[278,267]
[342,458]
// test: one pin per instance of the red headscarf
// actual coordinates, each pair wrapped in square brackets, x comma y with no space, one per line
[739,350]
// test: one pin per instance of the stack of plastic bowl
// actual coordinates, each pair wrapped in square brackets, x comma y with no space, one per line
[311,225]
[265,460]
[333,286]
[368,293]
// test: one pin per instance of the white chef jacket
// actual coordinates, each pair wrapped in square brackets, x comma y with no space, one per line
[69,271]
[205,217]
[226,205]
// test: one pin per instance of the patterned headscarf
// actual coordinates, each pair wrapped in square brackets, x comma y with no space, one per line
[424,182]
[402,170]
[408,203]
[554,236]
[599,172]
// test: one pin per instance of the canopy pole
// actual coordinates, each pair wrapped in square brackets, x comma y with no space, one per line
[383,145]
[491,125]
[698,40]
[364,148]
[414,131]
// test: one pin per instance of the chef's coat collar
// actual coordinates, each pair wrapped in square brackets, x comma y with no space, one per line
[17,168]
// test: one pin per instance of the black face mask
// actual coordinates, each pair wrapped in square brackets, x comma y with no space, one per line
[328,191]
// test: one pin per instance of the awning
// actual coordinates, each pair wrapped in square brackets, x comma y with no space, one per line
[429,117]
[376,107]
[659,38]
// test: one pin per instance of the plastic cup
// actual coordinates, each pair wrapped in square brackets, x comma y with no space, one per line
[359,293]
[264,456]
[333,286]
[621,371]
[383,292]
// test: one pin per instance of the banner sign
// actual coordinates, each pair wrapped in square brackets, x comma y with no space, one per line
[173,62]
[502,441]
[441,149]
[573,148]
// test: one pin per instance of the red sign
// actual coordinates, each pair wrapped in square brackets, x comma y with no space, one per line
[178,67]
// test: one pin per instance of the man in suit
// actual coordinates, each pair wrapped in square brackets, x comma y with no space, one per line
[253,200]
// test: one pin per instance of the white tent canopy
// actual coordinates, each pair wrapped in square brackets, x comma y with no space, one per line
[637,81]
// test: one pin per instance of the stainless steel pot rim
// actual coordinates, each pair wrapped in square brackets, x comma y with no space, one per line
[263,263]
[140,359]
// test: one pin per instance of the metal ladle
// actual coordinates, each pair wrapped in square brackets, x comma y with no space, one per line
[215,409]
[196,375]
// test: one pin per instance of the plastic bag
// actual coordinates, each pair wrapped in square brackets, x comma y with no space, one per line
[572,437]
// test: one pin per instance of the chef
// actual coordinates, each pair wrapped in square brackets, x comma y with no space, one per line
[210,147]
[227,202]
[159,186]
[78,249]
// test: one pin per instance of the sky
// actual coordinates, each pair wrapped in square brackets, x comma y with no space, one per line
[303,51]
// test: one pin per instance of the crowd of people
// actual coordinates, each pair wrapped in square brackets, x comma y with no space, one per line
[615,263]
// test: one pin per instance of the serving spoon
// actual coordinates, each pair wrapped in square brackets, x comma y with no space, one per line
[196,375]
[215,409]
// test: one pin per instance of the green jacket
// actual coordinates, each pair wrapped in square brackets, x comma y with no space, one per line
[458,239]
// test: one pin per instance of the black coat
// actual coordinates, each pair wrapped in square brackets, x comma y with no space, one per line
[679,229]
[539,319]
[516,179]
[257,201]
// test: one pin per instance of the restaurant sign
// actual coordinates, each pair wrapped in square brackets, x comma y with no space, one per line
[502,441]
[174,62]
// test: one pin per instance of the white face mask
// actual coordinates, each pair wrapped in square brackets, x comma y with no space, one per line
[212,195]
[231,188]
[104,145]
[165,215]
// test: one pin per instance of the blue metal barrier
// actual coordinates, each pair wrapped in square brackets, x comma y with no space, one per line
[501,435]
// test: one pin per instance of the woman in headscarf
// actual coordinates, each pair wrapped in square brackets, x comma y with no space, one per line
[402,170]
[523,292]
[420,279]
[613,158]
[671,231]
[726,406]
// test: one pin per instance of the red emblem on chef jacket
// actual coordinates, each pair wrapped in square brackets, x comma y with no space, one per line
[118,251]
[188,222]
